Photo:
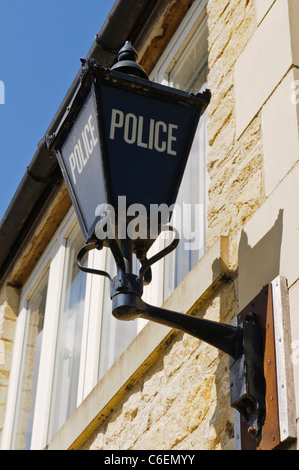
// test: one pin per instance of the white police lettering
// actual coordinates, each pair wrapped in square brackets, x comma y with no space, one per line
[150,134]
[83,149]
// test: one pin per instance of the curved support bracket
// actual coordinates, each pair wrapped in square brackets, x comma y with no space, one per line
[98,246]
[147,263]
[83,252]
[144,276]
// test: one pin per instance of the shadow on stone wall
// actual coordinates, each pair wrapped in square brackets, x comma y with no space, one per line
[258,266]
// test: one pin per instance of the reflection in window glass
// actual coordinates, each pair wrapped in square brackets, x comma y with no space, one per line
[116,335]
[30,367]
[190,74]
[68,349]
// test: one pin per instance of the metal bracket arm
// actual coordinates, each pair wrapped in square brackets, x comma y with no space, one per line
[227,338]
[243,343]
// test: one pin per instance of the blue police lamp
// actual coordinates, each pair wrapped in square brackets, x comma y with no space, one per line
[123,143]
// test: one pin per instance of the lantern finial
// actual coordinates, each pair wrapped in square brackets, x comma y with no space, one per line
[127,62]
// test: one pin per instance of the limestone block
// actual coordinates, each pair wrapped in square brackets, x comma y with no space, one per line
[266,245]
[294,21]
[280,132]
[262,7]
[215,9]
[263,63]
[219,44]
[221,116]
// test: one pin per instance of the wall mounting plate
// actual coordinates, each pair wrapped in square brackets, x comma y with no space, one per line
[272,308]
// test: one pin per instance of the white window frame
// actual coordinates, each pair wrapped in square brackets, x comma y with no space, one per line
[54,259]
[161,73]
[13,388]
[179,42]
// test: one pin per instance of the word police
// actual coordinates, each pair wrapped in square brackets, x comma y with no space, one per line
[135,130]
[148,134]
[83,148]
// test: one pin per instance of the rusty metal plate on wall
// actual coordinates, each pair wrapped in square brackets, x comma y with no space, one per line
[262,305]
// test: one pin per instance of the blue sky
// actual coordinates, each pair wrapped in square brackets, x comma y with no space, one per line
[41,43]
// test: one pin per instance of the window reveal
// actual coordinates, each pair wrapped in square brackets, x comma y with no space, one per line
[30,367]
[190,74]
[68,349]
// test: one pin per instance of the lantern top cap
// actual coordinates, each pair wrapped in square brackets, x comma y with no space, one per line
[127,62]
[127,52]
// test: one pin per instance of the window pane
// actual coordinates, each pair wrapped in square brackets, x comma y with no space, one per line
[68,349]
[190,74]
[30,367]
[191,70]
[116,335]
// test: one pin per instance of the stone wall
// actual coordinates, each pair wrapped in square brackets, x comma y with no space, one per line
[235,165]
[9,302]
[182,401]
